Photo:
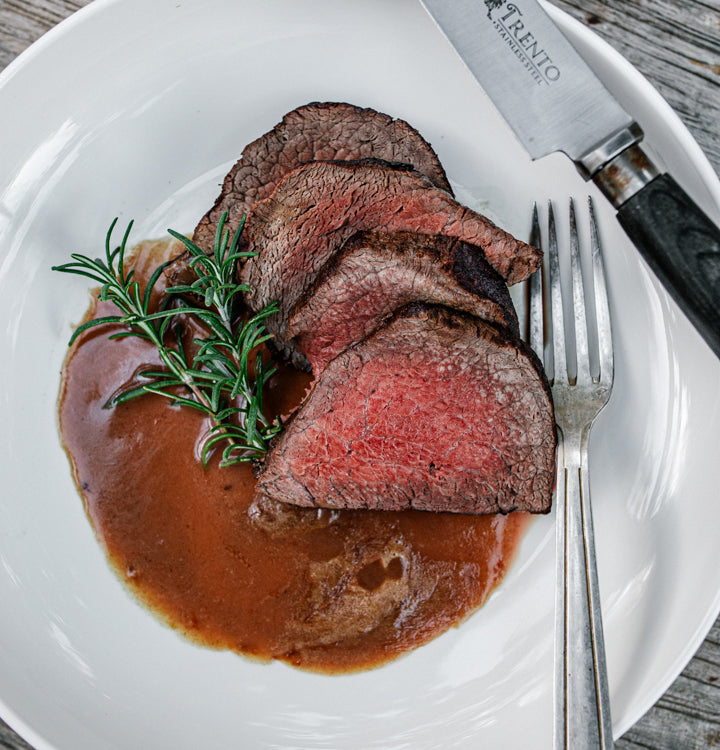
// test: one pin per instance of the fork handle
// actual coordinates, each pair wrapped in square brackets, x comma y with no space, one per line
[582,703]
[682,246]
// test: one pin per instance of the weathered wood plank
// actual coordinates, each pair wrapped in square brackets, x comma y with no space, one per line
[24,21]
[11,741]
[687,717]
[676,45]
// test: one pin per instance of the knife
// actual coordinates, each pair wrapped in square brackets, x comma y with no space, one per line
[554,102]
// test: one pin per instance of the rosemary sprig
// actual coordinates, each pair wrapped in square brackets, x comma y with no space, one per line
[220,377]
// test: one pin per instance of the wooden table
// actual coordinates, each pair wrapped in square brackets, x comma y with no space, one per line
[676,44]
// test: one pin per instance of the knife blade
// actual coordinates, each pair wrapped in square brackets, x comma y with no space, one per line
[553,101]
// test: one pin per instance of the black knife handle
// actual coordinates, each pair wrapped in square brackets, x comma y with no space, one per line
[682,246]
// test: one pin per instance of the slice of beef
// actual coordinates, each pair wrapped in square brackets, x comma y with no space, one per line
[437,411]
[375,273]
[320,131]
[318,206]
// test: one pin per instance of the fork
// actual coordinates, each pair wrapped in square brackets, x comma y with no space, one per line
[581,699]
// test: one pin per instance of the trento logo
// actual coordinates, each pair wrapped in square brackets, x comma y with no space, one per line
[507,19]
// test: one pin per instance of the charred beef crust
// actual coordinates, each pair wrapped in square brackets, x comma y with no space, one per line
[319,131]
[316,207]
[436,411]
[464,261]
[374,273]
[476,275]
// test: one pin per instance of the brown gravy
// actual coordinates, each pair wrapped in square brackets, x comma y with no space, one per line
[321,590]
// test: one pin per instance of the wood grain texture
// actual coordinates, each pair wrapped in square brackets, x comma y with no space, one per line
[676,45]
[23,21]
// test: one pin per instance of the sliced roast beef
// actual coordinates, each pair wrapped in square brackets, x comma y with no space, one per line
[318,206]
[375,273]
[437,410]
[315,132]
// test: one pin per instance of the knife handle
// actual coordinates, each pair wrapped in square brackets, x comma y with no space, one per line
[682,246]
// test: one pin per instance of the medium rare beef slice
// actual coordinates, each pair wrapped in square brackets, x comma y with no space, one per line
[374,274]
[318,206]
[315,132]
[436,411]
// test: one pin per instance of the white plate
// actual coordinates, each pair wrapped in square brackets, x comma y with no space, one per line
[137,109]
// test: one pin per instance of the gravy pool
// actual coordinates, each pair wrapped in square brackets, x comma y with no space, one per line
[328,591]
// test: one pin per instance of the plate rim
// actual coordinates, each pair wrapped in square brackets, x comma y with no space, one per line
[701,163]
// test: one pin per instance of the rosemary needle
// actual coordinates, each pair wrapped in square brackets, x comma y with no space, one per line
[224,375]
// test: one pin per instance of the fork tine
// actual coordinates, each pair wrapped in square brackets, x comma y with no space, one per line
[556,306]
[582,356]
[582,705]
[602,306]
[536,332]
